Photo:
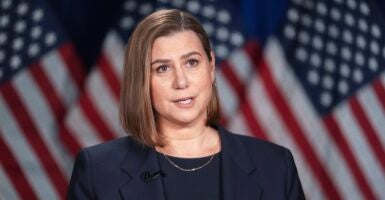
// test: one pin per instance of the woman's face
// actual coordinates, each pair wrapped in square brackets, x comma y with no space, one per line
[181,79]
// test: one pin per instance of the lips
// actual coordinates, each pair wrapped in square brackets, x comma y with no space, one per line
[184,101]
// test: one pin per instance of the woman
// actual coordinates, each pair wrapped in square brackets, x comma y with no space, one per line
[169,105]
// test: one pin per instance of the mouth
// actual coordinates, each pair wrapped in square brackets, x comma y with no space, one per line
[184,101]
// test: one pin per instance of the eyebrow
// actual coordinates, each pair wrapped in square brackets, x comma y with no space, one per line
[182,57]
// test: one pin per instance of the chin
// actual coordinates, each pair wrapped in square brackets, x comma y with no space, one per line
[188,117]
[185,119]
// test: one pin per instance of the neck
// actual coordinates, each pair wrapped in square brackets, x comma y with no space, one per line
[189,142]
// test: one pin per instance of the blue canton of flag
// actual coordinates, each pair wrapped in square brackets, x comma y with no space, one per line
[219,22]
[26,33]
[335,48]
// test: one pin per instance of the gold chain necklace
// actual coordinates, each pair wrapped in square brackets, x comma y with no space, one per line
[192,169]
[188,170]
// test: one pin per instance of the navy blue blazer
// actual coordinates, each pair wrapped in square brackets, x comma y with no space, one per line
[251,169]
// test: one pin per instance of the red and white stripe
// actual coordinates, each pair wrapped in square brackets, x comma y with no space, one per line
[32,106]
[305,115]
[22,152]
[338,167]
[95,118]
[264,113]
[7,191]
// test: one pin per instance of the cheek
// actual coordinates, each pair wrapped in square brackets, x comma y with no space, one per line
[204,80]
[158,92]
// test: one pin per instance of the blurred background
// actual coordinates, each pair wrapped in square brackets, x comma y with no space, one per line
[305,74]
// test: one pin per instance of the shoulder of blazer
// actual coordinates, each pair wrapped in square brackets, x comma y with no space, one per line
[263,153]
[115,151]
[256,145]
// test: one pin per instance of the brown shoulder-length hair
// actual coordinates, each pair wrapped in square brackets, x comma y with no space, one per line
[136,112]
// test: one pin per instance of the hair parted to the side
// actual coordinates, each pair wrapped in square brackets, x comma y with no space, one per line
[136,112]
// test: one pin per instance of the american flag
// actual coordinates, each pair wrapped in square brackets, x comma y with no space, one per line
[314,84]
[40,77]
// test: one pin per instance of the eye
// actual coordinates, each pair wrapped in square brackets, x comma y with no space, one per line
[192,62]
[162,68]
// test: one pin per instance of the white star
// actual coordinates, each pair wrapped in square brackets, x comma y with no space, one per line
[223,16]
[343,87]
[374,47]
[364,8]
[335,13]
[306,20]
[376,31]
[17,44]
[178,3]
[344,70]
[327,82]
[292,14]
[2,56]
[289,31]
[349,20]
[4,20]
[50,39]
[361,42]
[315,59]
[331,48]
[304,37]
[352,4]
[326,99]
[15,61]
[36,32]
[333,31]
[20,26]
[347,36]
[373,64]
[222,34]
[309,5]
[208,28]
[321,8]
[236,39]
[222,51]
[357,76]
[359,58]
[3,38]
[208,11]
[5,4]
[319,26]
[346,53]
[301,54]
[33,50]
[126,22]
[330,66]
[37,14]
[313,77]
[130,5]
[22,8]
[362,25]
[145,8]
[193,6]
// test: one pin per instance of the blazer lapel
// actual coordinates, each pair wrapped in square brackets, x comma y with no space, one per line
[135,188]
[238,170]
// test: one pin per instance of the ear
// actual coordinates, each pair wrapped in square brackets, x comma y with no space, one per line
[212,64]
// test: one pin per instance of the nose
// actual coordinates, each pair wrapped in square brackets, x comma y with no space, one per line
[181,79]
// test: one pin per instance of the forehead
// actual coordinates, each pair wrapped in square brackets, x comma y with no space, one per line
[177,43]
